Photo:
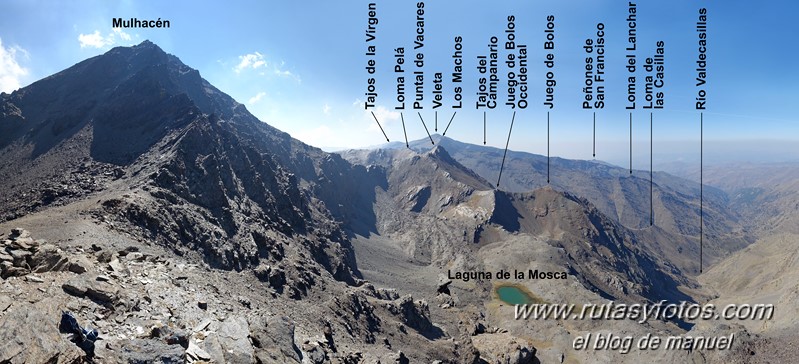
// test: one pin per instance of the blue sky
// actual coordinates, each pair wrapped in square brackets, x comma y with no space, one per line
[299,66]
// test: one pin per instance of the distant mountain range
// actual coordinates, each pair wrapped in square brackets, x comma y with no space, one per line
[615,192]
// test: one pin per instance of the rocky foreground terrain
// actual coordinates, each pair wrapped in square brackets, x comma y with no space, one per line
[184,229]
[157,210]
[150,307]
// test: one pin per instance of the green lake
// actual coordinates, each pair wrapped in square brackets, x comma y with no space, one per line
[514,295]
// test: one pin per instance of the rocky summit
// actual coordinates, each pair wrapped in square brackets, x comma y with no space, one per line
[146,204]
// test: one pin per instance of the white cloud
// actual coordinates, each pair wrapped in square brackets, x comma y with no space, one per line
[252,60]
[326,109]
[121,33]
[384,115]
[266,67]
[95,40]
[10,70]
[281,72]
[255,99]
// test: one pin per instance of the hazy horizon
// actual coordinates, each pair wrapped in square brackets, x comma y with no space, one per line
[668,154]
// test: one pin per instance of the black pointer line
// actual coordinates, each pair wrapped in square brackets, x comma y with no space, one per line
[425,129]
[594,134]
[631,143]
[378,124]
[701,189]
[450,122]
[436,121]
[404,132]
[484,128]
[651,176]
[547,146]
[502,166]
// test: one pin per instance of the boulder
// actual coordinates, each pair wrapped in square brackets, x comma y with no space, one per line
[34,279]
[20,257]
[24,244]
[7,269]
[80,265]
[135,257]
[129,249]
[5,257]
[273,339]
[30,335]
[170,335]
[118,267]
[105,256]
[195,353]
[234,336]
[49,258]
[19,233]
[520,354]
[76,286]
[149,351]
[315,353]
[504,348]
[202,325]
[414,314]
[274,276]
[102,292]
[213,348]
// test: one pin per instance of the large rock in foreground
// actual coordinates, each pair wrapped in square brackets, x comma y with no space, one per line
[30,335]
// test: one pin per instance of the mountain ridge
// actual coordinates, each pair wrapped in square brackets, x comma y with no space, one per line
[615,192]
[134,148]
[130,163]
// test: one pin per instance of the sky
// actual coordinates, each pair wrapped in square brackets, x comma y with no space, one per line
[301,67]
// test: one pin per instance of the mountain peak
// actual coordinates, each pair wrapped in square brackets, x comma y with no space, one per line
[424,144]
[439,150]
[146,45]
[138,87]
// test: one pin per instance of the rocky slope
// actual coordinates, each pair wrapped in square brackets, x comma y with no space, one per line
[159,211]
[619,195]
[433,188]
[185,229]
[766,195]
[479,229]
[150,306]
